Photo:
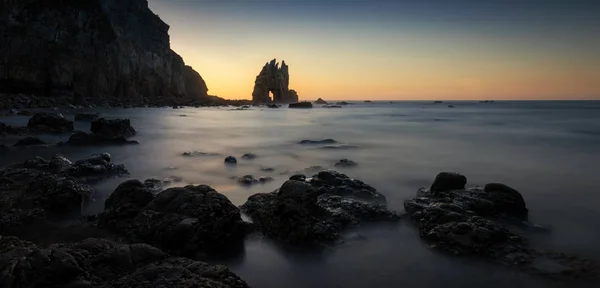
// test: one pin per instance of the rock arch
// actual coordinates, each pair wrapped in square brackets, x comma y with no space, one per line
[276,80]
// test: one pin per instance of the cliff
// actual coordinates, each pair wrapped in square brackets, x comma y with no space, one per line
[93,51]
[276,80]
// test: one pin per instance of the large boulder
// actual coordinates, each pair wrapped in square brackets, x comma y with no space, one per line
[321,101]
[103,263]
[114,128]
[446,181]
[189,221]
[55,194]
[50,123]
[316,212]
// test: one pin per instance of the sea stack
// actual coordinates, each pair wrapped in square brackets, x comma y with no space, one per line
[276,80]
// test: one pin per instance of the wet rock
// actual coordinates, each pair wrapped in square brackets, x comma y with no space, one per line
[446,181]
[267,169]
[506,200]
[50,123]
[470,222]
[189,221]
[339,146]
[55,194]
[318,142]
[450,106]
[85,139]
[97,167]
[249,156]
[342,103]
[230,160]
[321,101]
[273,106]
[335,183]
[345,163]
[248,180]
[87,117]
[59,164]
[302,105]
[125,203]
[103,263]
[307,213]
[198,153]
[29,141]
[332,106]
[114,128]
[298,177]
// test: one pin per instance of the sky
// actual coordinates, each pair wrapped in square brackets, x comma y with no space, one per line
[393,50]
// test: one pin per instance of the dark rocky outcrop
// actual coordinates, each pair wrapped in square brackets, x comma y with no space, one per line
[249,156]
[276,80]
[321,101]
[29,141]
[316,212]
[50,123]
[471,222]
[87,117]
[38,188]
[97,51]
[189,221]
[103,263]
[304,105]
[114,128]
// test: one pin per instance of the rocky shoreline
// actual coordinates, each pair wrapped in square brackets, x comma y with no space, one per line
[149,235]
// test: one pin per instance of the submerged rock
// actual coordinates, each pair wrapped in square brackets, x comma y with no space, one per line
[317,142]
[316,212]
[332,106]
[29,141]
[273,106]
[345,163]
[187,221]
[115,128]
[249,156]
[300,105]
[103,263]
[87,117]
[248,180]
[50,123]
[198,153]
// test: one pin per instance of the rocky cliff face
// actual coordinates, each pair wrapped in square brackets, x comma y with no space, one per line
[93,51]
[275,79]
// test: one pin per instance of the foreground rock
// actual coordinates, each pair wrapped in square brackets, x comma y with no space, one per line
[316,212]
[104,263]
[248,180]
[50,123]
[116,128]
[40,189]
[230,160]
[191,221]
[471,222]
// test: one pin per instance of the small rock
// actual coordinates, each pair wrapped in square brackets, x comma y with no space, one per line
[346,163]
[113,128]
[249,156]
[29,141]
[446,181]
[324,141]
[230,160]
[48,122]
[198,153]
[303,105]
[267,169]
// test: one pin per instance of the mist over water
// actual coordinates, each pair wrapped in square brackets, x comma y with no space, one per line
[549,151]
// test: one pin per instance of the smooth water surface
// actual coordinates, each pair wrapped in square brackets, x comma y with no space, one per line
[549,151]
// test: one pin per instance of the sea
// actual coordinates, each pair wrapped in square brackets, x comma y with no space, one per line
[547,150]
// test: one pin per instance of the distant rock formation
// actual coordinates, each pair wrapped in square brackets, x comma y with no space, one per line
[321,101]
[94,51]
[275,79]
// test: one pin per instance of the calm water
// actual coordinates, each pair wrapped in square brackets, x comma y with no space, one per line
[549,151]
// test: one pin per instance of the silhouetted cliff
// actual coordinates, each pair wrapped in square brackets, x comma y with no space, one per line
[92,51]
